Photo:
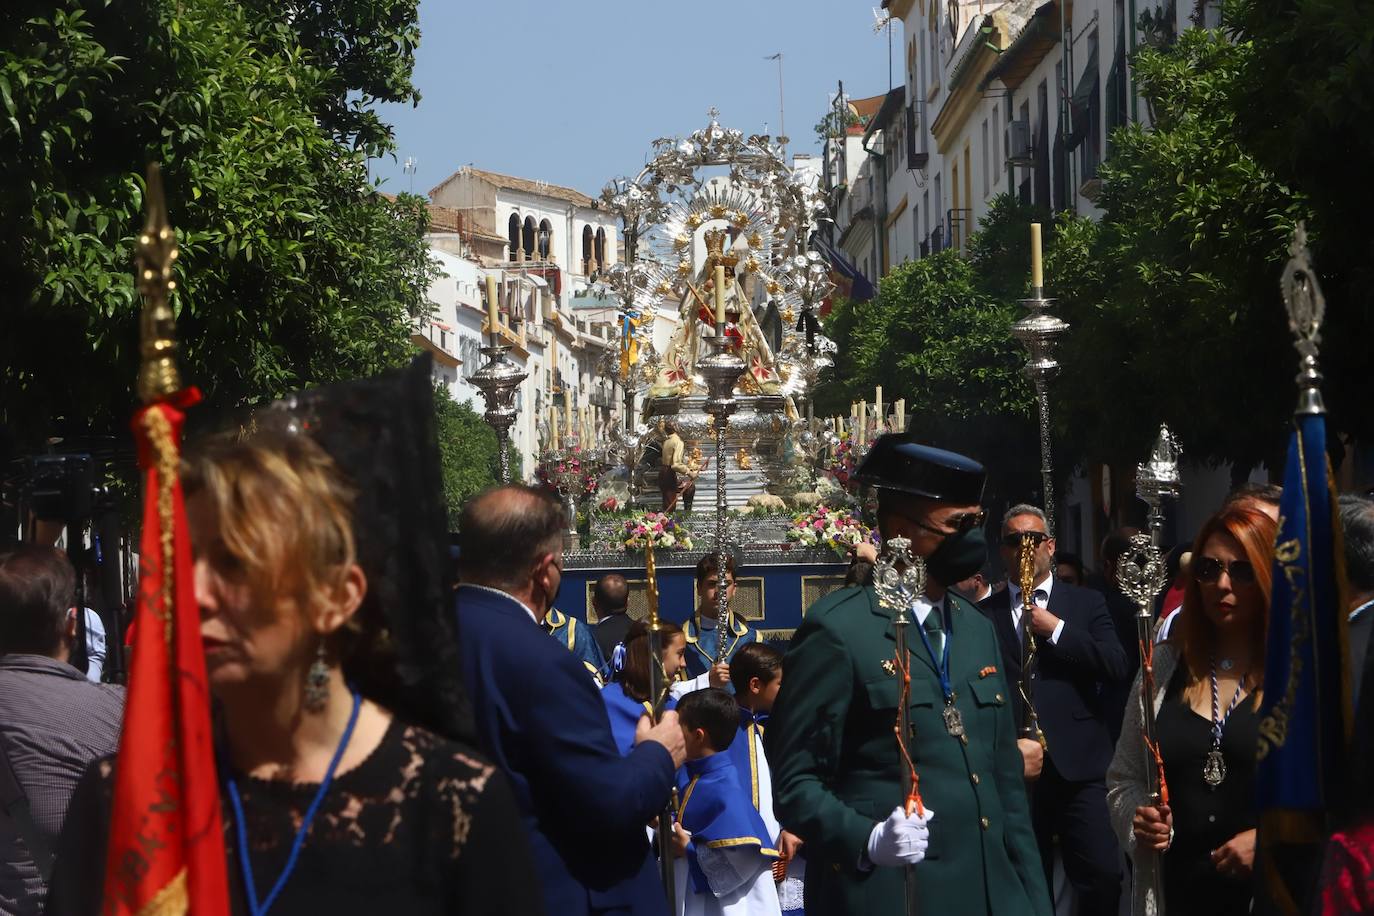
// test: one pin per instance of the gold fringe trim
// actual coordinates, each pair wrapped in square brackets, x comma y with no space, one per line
[160,435]
[172,900]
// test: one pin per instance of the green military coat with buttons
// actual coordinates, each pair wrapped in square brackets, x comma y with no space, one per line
[836,767]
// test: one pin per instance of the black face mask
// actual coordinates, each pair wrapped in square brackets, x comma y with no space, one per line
[959,556]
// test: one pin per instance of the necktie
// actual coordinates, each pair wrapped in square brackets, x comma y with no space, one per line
[936,631]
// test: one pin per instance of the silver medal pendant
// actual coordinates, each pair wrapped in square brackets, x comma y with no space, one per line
[954,721]
[1214,770]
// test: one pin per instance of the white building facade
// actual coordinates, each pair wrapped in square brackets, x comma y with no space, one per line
[544,246]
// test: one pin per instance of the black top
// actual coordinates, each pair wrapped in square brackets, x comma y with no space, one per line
[611,630]
[1204,817]
[421,826]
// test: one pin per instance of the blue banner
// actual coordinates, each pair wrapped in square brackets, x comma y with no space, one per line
[1305,713]
[848,278]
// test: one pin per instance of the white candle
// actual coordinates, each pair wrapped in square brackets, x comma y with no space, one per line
[878,406]
[1037,268]
[863,422]
[901,415]
[720,294]
[553,437]
[491,302]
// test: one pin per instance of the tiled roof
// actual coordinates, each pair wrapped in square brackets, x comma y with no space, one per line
[447,219]
[526,185]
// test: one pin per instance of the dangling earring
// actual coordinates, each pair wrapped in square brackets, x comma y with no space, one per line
[317,682]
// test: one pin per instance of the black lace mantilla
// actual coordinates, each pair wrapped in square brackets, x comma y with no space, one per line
[422,826]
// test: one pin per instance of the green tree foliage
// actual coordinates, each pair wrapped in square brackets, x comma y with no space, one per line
[1305,110]
[468,452]
[1173,298]
[938,333]
[293,269]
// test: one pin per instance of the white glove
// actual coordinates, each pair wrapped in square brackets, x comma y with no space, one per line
[900,840]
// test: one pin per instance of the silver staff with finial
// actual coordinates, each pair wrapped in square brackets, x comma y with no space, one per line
[1302,297]
[1039,333]
[898,580]
[721,370]
[1142,575]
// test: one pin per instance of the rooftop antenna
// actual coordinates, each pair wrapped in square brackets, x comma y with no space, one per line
[882,19]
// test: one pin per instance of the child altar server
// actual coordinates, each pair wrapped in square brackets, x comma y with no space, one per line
[728,866]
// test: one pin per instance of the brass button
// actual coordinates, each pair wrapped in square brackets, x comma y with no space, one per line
[999,698]
[974,778]
[985,822]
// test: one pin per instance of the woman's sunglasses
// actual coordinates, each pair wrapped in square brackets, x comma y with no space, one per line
[1209,569]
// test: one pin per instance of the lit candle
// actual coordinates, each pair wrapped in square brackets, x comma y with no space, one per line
[491,302]
[720,294]
[1037,268]
[878,407]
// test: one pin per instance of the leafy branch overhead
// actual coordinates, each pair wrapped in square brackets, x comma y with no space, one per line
[294,270]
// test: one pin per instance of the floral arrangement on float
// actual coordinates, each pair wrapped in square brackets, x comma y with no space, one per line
[841,468]
[656,528]
[839,529]
[570,472]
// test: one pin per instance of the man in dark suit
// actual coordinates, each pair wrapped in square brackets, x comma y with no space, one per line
[1079,653]
[542,721]
[1123,613]
[1357,520]
[610,600]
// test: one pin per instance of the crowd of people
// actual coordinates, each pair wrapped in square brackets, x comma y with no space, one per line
[529,771]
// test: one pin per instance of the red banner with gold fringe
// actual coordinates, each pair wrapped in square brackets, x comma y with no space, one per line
[166,850]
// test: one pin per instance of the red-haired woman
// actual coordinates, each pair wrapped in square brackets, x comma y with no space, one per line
[1208,677]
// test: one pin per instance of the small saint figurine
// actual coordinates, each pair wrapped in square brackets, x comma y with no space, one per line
[743,460]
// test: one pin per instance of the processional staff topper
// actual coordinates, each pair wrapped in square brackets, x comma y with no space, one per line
[898,577]
[1302,297]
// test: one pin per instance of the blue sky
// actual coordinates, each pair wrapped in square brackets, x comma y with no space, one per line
[574,93]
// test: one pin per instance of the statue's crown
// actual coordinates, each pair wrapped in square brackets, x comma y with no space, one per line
[715,250]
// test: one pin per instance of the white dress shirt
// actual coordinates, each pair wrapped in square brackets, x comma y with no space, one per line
[1041,598]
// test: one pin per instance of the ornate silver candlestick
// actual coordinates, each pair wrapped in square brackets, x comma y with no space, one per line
[498,380]
[721,370]
[1039,333]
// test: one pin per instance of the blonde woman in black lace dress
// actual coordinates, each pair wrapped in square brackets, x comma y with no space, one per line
[332,801]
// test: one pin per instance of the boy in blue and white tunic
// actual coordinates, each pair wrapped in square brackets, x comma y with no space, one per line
[702,634]
[756,674]
[728,867]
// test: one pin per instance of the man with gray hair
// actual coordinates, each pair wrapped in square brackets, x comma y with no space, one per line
[540,718]
[1357,520]
[1079,659]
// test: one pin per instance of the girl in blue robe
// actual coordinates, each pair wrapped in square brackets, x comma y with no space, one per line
[627,695]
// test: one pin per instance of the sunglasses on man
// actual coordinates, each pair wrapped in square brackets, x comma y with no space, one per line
[1208,570]
[1012,540]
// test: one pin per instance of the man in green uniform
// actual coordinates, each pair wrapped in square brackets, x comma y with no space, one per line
[837,770]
